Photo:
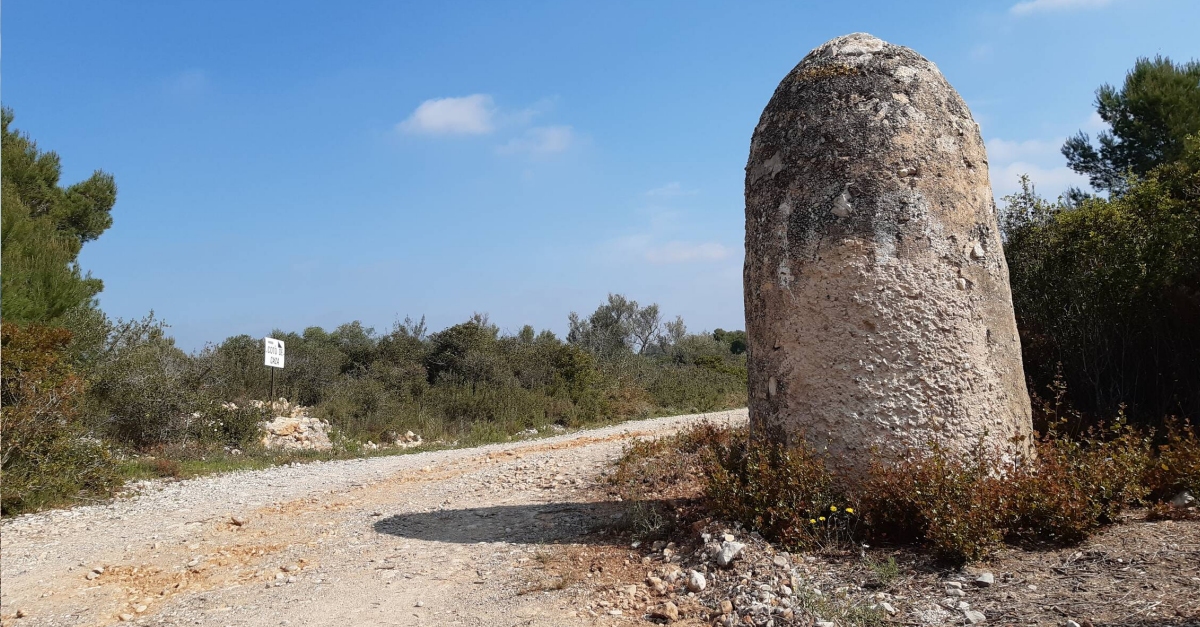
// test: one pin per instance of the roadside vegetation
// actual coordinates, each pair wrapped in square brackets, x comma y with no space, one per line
[959,507]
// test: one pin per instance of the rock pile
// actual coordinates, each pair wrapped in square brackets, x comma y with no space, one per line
[732,578]
[293,429]
[409,439]
[301,433]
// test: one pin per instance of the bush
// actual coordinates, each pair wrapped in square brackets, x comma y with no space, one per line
[787,494]
[1178,465]
[1076,485]
[953,502]
[651,474]
[1108,289]
[144,390]
[228,425]
[962,505]
[48,455]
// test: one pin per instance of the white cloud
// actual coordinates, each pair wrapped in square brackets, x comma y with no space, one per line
[1037,6]
[1095,123]
[468,115]
[1041,159]
[1002,150]
[684,252]
[671,190]
[1049,182]
[541,140]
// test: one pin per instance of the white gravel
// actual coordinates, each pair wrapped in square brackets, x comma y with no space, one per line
[361,540]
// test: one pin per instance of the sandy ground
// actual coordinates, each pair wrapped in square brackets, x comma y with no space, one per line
[438,538]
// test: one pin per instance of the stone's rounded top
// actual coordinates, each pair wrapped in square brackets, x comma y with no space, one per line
[853,44]
[862,49]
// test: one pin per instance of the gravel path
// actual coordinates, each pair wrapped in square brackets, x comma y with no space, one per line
[437,538]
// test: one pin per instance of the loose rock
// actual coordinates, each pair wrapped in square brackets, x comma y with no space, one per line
[668,611]
[729,551]
[1183,499]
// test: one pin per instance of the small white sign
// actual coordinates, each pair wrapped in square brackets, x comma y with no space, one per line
[274,352]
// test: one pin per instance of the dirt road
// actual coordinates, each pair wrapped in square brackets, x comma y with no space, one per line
[439,538]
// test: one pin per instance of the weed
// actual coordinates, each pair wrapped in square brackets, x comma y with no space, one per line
[885,572]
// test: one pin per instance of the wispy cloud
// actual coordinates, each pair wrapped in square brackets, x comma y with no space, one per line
[1029,7]
[1095,123]
[540,141]
[188,83]
[646,247]
[1040,159]
[466,115]
[670,190]
[1003,150]
[666,237]
[683,252]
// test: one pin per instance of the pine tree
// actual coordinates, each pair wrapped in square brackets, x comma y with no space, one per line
[1150,117]
[44,226]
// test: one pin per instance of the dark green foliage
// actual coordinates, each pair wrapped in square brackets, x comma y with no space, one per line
[736,340]
[43,228]
[1150,116]
[1110,289]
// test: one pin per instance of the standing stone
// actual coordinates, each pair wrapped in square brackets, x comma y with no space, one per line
[877,301]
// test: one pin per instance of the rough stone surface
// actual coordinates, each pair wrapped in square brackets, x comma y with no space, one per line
[728,552]
[295,431]
[667,611]
[877,300]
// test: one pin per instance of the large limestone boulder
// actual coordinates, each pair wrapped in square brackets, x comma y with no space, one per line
[877,301]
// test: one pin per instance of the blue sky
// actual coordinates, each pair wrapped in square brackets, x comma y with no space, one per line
[296,164]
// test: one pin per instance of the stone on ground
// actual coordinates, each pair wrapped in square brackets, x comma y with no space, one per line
[878,308]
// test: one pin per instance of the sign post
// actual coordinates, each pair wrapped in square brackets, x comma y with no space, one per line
[273,358]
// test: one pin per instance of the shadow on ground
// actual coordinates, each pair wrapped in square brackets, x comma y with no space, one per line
[556,523]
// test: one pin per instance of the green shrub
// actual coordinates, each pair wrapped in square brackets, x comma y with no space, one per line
[48,455]
[225,424]
[143,389]
[1106,288]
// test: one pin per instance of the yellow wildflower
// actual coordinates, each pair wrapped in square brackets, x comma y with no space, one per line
[849,510]
[812,520]
[822,519]
[833,508]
